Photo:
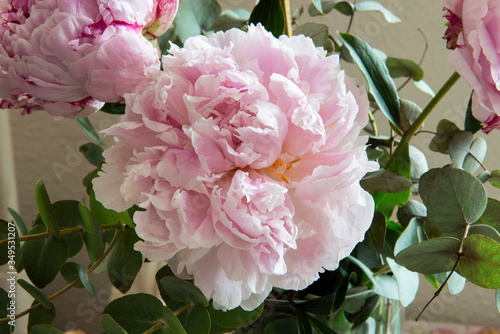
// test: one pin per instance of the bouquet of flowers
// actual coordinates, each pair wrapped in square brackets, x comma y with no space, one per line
[250,165]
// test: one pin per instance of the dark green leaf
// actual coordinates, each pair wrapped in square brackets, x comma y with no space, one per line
[485,230]
[360,318]
[87,283]
[138,313]
[466,152]
[431,256]
[44,329]
[93,153]
[41,315]
[340,324]
[403,68]
[87,180]
[410,210]
[69,271]
[45,208]
[386,181]
[366,6]
[183,291]
[7,309]
[231,18]
[408,113]
[303,323]
[270,14]
[123,261]
[381,85]
[321,306]
[195,320]
[234,318]
[321,327]
[471,124]
[318,32]
[454,198]
[445,132]
[412,235]
[5,256]
[89,130]
[21,225]
[93,235]
[495,178]
[375,236]
[480,262]
[491,215]
[114,108]
[106,216]
[286,325]
[110,326]
[43,257]
[67,215]
[344,7]
[35,293]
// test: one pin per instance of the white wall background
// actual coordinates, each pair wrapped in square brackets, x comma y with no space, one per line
[47,149]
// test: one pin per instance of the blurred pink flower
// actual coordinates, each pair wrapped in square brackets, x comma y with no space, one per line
[246,154]
[67,56]
[473,33]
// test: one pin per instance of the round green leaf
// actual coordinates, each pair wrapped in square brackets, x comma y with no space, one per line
[5,301]
[375,236]
[270,14]
[41,315]
[93,153]
[44,329]
[466,152]
[407,282]
[282,326]
[485,230]
[43,257]
[431,256]
[110,326]
[404,68]
[454,198]
[412,235]
[138,313]
[386,181]
[35,293]
[480,262]
[183,291]
[318,32]
[196,320]
[408,112]
[495,178]
[445,132]
[410,210]
[69,271]
[234,318]
[491,215]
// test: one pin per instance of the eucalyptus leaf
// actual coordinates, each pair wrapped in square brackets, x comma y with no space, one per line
[342,6]
[386,181]
[93,235]
[139,312]
[194,17]
[41,315]
[495,178]
[303,323]
[375,236]
[381,85]
[403,67]
[454,198]
[466,152]
[231,18]
[471,124]
[45,208]
[196,320]
[491,215]
[123,261]
[236,317]
[419,165]
[7,304]
[485,230]
[456,283]
[270,14]
[407,282]
[93,153]
[368,6]
[412,235]
[318,4]
[408,113]
[43,257]
[410,210]
[89,130]
[320,326]
[183,291]
[286,325]
[69,271]
[480,263]
[431,256]
[44,329]
[110,326]
[318,32]
[21,225]
[445,132]
[35,293]
[362,316]
[424,87]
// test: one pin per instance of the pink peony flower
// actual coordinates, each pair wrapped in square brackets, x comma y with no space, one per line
[67,56]
[473,34]
[246,153]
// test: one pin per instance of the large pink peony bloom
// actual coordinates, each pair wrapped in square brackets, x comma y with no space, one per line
[67,56]
[246,154]
[474,36]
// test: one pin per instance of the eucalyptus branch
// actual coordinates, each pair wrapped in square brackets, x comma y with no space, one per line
[72,284]
[423,116]
[351,19]
[62,232]
[158,325]
[181,309]
[421,58]
[288,17]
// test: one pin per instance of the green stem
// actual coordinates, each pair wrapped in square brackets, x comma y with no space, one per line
[423,116]
[181,309]
[158,325]
[288,17]
[72,284]
[62,232]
